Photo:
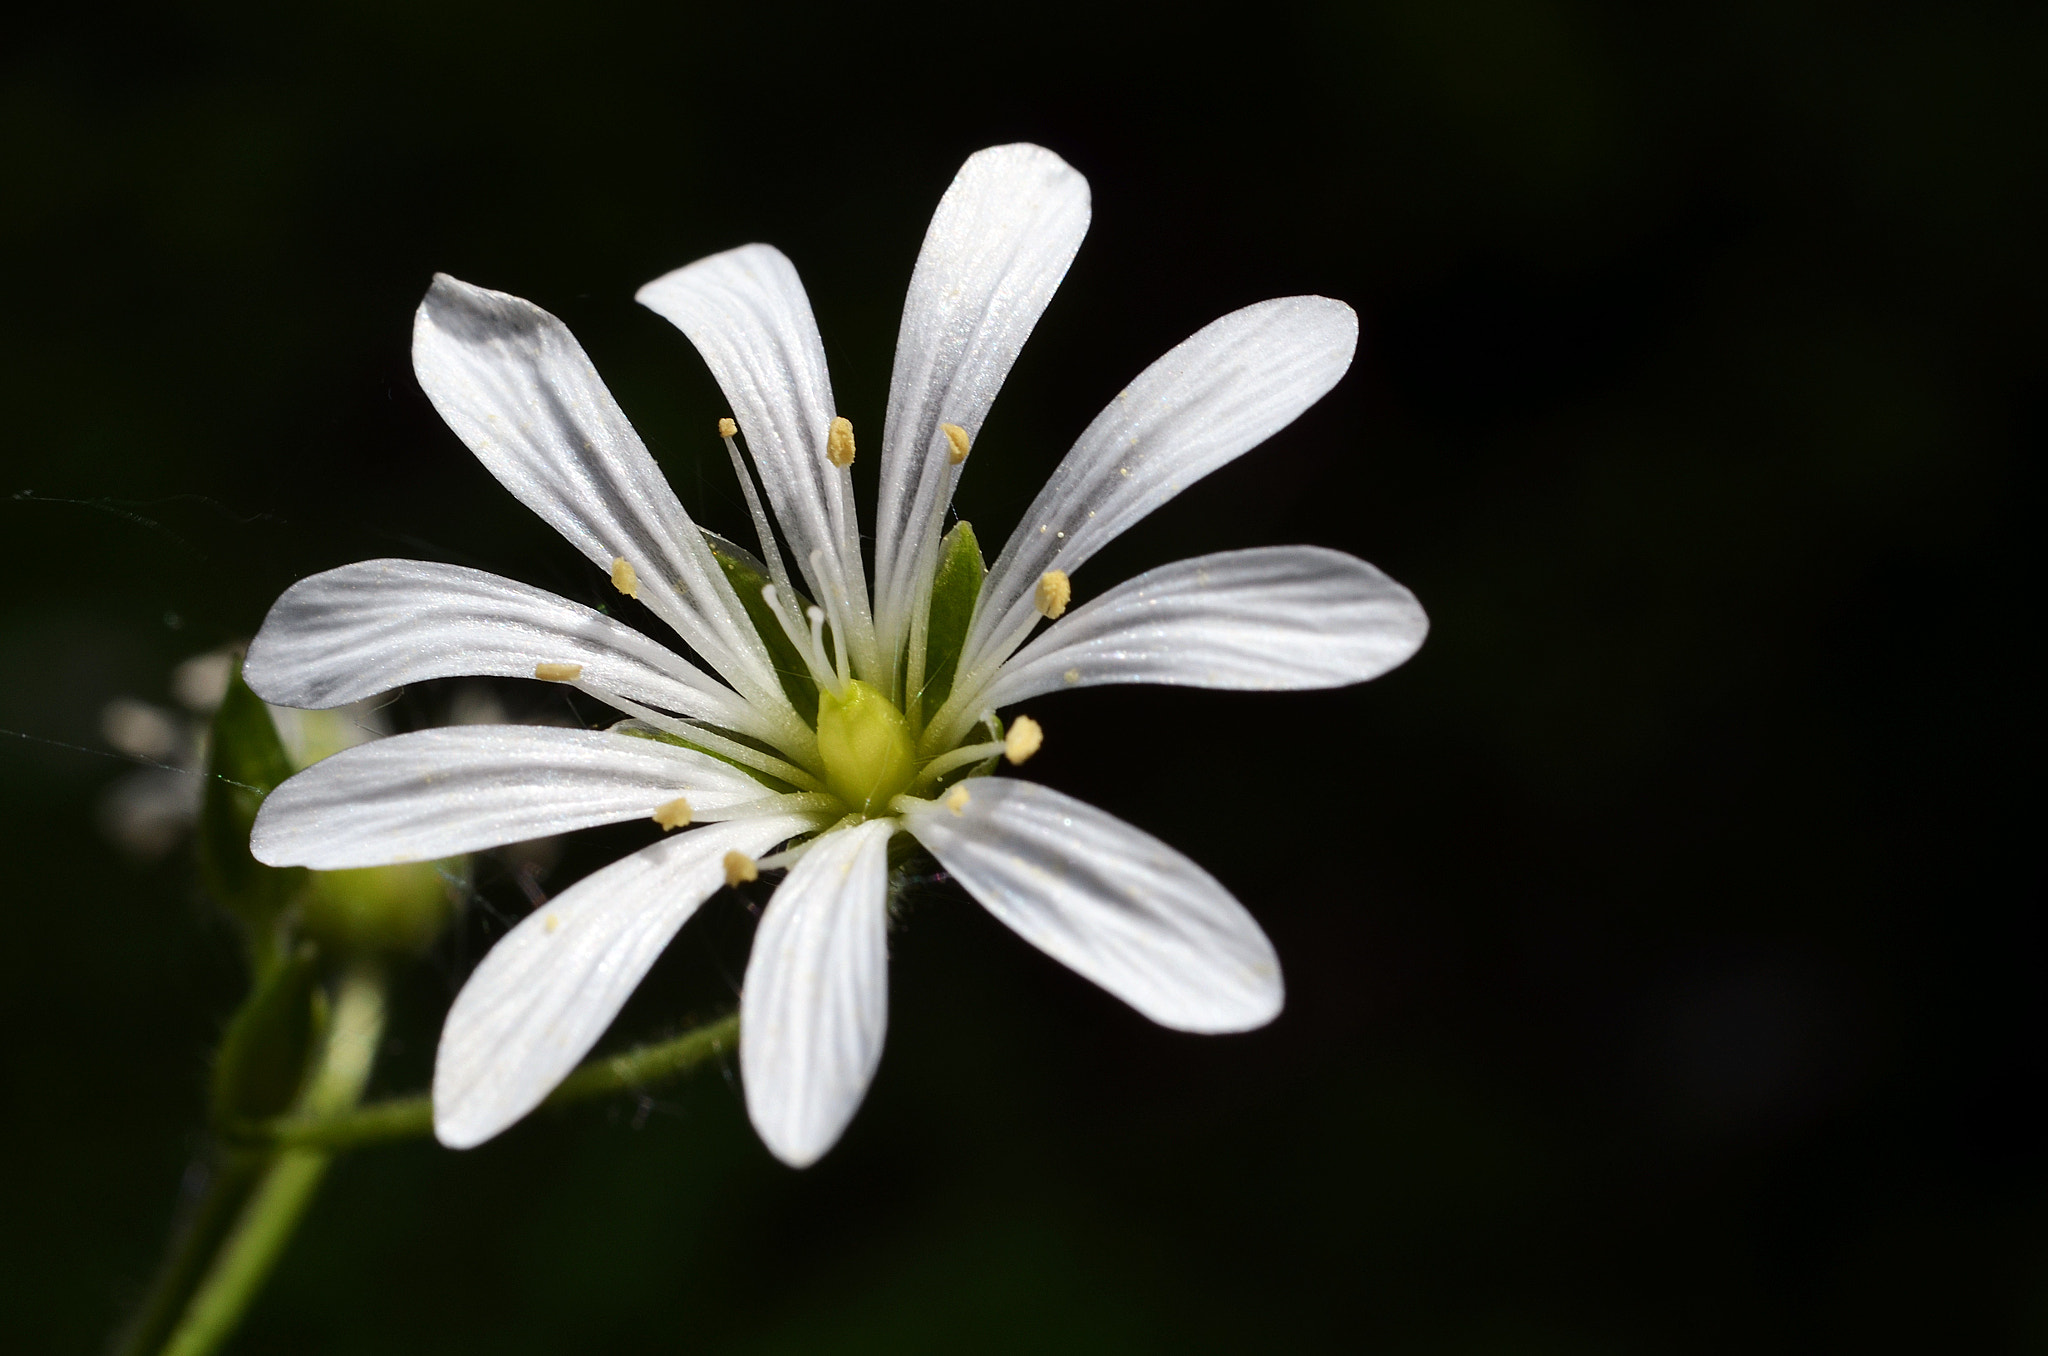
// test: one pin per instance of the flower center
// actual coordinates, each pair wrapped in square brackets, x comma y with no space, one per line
[866,746]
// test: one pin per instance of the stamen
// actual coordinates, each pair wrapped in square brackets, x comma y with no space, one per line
[957,436]
[771,554]
[1022,739]
[558,673]
[625,578]
[740,868]
[839,442]
[551,922]
[957,798]
[674,815]
[1053,593]
[1072,675]
[937,768]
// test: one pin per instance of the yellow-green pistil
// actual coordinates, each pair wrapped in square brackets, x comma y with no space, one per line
[866,745]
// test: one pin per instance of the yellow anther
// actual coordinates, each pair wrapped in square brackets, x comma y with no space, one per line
[958,437]
[1054,592]
[1072,675]
[558,673]
[674,815]
[625,578]
[551,922]
[957,798]
[727,428]
[839,442]
[1023,739]
[740,868]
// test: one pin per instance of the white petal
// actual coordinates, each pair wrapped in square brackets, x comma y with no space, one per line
[363,629]
[438,793]
[816,1000]
[1234,384]
[1274,618]
[997,248]
[551,986]
[1111,903]
[517,388]
[747,313]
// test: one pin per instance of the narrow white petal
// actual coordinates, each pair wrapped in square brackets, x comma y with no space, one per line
[997,248]
[363,629]
[747,314]
[551,986]
[1113,904]
[438,793]
[816,1000]
[1222,392]
[517,388]
[1273,618]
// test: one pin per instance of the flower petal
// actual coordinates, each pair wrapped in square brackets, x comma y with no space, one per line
[1231,386]
[438,793]
[997,248]
[1109,902]
[517,388]
[352,633]
[815,1004]
[1274,618]
[747,313]
[551,986]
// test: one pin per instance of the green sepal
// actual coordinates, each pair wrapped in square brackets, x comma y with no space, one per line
[955,586]
[747,575]
[262,1059]
[246,762]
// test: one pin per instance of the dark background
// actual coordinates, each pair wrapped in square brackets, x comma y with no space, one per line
[1664,953]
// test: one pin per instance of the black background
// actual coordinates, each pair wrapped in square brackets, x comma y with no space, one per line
[1664,953]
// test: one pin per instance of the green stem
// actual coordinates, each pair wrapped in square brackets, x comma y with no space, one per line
[201,1224]
[293,1176]
[411,1117]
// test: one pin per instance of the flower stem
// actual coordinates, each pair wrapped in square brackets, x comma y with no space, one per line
[203,1220]
[291,1178]
[411,1117]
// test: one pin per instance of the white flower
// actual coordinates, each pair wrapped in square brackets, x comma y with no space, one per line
[737,752]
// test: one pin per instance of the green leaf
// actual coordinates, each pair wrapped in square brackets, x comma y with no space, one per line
[747,575]
[262,1058]
[246,762]
[955,586]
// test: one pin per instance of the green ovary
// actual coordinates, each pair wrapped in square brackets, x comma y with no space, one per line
[866,745]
